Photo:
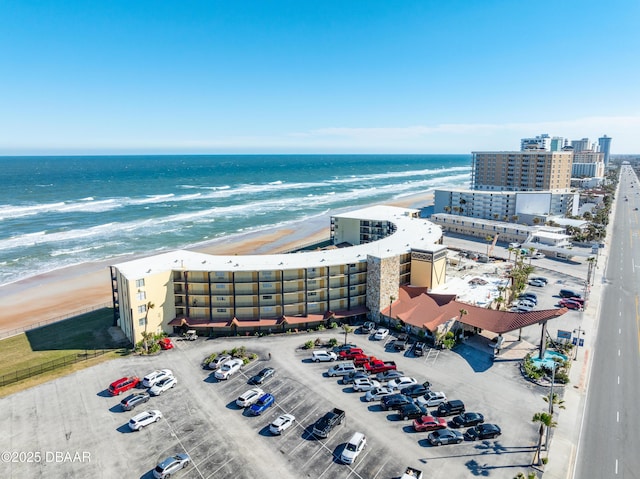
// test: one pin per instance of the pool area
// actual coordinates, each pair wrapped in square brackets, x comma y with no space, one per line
[547,361]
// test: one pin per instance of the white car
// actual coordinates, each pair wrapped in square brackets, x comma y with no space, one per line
[354,447]
[228,369]
[163,385]
[381,333]
[378,393]
[432,399]
[282,423]
[365,384]
[402,382]
[151,379]
[218,361]
[143,419]
[318,356]
[537,283]
[249,397]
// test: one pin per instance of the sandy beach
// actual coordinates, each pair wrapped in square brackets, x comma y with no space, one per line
[68,291]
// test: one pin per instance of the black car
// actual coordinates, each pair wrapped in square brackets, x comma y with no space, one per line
[413,411]
[450,408]
[352,376]
[529,296]
[134,400]
[418,349]
[483,431]
[395,401]
[262,376]
[344,347]
[415,390]
[567,293]
[467,419]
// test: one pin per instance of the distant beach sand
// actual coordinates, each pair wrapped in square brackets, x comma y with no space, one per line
[66,291]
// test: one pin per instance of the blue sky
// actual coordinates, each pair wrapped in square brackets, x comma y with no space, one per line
[369,76]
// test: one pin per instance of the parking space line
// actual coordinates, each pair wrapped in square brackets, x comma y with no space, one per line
[173,432]
[360,461]
[314,454]
[224,464]
[380,470]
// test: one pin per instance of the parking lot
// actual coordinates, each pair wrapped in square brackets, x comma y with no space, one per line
[74,416]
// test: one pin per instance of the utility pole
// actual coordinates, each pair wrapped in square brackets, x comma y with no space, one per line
[579,332]
[553,380]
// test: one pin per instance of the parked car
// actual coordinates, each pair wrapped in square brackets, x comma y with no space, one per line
[352,376]
[529,297]
[378,393]
[570,304]
[567,293]
[415,390]
[429,423]
[368,327]
[123,384]
[381,334]
[318,356]
[450,408]
[515,245]
[525,303]
[341,369]
[171,465]
[155,377]
[389,375]
[249,397]
[281,424]
[228,369]
[445,436]
[165,343]
[402,382]
[537,283]
[412,410]
[483,431]
[343,347]
[432,398]
[133,400]
[263,403]
[218,361]
[350,353]
[326,423]
[537,255]
[401,342]
[467,419]
[418,348]
[144,419]
[163,385]
[354,447]
[540,278]
[264,375]
[394,401]
[365,384]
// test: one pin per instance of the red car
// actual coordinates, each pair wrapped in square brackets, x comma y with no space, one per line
[570,304]
[429,423]
[123,384]
[350,353]
[360,359]
[165,343]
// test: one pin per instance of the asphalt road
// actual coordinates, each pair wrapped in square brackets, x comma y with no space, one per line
[610,436]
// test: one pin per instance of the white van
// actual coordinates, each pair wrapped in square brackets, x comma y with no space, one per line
[353,448]
[341,369]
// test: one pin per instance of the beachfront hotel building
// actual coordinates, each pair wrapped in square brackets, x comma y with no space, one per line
[531,170]
[374,251]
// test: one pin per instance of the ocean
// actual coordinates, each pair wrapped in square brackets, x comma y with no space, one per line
[62,211]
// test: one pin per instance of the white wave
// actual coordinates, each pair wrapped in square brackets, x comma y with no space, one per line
[88,198]
[399,174]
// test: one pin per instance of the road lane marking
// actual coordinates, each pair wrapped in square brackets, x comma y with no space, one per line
[617,416]
[618,379]
[616,466]
[618,353]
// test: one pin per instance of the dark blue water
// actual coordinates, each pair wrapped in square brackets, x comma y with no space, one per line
[61,211]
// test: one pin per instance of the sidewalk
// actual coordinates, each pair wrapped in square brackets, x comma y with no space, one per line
[565,436]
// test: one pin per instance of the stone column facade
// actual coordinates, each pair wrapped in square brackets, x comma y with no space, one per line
[383,280]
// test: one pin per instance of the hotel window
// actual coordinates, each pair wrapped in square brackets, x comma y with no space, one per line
[220,286]
[142,308]
[220,298]
[141,296]
[267,285]
[219,274]
[312,293]
[267,296]
[267,309]
[141,322]
[140,283]
[221,310]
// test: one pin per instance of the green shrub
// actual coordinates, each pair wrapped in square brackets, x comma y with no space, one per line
[333,342]
[309,344]
[210,358]
[321,327]
[253,356]
[333,325]
[246,361]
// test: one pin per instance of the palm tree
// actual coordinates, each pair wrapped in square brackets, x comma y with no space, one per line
[536,221]
[463,312]
[447,209]
[147,336]
[347,329]
[546,421]
[555,400]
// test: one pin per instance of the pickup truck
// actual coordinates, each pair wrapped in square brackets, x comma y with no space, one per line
[411,473]
[350,353]
[361,359]
[400,344]
[326,423]
[377,366]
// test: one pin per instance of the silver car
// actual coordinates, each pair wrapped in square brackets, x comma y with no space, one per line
[171,465]
[144,419]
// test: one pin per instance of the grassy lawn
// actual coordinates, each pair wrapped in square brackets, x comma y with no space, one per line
[66,338]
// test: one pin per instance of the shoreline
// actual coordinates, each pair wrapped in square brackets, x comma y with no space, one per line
[61,292]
